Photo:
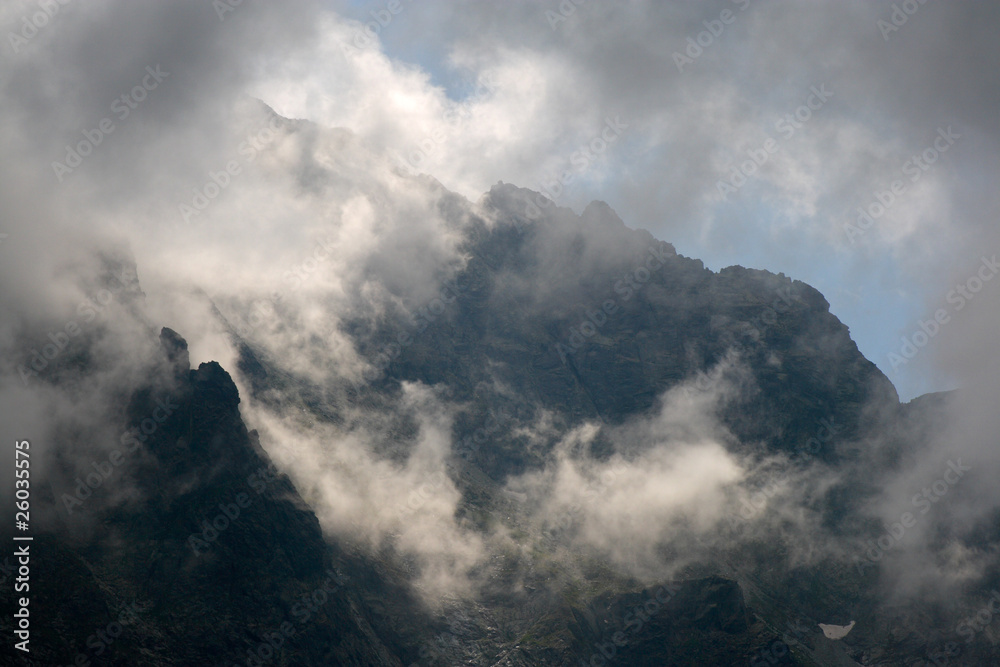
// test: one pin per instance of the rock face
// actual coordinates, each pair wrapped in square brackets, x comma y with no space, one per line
[592,320]
[214,560]
[698,622]
[196,551]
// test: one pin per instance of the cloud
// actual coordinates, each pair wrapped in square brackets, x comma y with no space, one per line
[407,503]
[687,128]
[668,481]
[296,232]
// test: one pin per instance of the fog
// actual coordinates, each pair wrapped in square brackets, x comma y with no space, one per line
[274,179]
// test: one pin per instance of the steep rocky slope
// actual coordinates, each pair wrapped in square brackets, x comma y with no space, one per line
[195,549]
[212,558]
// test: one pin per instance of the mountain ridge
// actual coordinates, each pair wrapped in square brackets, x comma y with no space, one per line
[208,528]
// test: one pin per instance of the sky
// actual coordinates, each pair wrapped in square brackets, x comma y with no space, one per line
[473,93]
[896,76]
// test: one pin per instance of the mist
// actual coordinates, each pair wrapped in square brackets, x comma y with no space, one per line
[276,181]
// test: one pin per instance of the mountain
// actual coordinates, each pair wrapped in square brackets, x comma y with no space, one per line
[562,347]
[213,558]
